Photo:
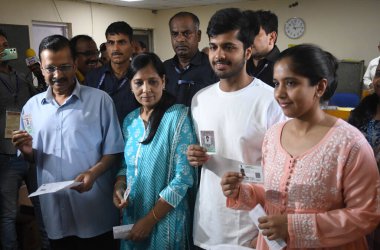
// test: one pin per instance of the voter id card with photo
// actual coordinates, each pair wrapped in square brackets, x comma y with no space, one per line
[252,173]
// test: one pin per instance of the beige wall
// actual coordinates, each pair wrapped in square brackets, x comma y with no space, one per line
[347,28]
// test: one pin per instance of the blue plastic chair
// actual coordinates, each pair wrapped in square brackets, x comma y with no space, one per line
[344,100]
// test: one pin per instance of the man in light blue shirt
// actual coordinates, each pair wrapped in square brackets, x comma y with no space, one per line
[71,132]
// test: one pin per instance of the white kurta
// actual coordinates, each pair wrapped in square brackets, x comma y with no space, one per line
[239,120]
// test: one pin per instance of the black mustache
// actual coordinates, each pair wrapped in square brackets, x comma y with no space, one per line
[116,53]
[222,62]
[60,80]
[91,61]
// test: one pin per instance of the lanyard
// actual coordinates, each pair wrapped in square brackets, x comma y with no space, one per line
[261,71]
[100,84]
[180,72]
[15,92]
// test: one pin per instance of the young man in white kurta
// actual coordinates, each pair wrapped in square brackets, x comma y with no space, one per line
[239,109]
[239,120]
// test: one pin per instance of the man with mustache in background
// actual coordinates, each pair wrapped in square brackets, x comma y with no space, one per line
[86,55]
[114,77]
[189,70]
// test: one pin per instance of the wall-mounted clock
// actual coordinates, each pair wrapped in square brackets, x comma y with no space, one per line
[294,27]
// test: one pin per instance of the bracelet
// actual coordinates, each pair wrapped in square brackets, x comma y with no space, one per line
[154,215]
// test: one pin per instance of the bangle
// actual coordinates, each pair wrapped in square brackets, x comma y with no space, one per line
[154,215]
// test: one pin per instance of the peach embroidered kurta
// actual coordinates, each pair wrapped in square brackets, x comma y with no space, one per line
[331,193]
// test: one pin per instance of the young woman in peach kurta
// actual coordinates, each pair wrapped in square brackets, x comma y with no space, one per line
[330,193]
[321,185]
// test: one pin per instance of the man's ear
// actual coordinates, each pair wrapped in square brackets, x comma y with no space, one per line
[248,53]
[272,38]
[199,35]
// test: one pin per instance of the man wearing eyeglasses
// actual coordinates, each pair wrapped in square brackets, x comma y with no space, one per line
[189,70]
[71,132]
[86,55]
[114,77]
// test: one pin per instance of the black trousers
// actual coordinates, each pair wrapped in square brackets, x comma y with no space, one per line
[100,242]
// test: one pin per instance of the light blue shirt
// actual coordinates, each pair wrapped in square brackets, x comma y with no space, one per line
[68,140]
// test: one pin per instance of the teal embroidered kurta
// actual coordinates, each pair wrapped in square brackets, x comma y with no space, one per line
[160,169]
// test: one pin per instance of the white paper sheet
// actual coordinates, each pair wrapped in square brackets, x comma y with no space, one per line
[54,187]
[255,214]
[121,232]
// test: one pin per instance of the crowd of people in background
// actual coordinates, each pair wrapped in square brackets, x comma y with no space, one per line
[128,127]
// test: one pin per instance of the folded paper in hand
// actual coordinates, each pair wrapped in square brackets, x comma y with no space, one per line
[255,214]
[54,187]
[121,232]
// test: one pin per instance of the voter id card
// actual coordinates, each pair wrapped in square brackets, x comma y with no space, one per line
[252,173]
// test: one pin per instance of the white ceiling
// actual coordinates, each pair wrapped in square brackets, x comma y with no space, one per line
[165,4]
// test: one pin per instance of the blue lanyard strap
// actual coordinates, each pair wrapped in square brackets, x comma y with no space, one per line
[180,72]
[101,81]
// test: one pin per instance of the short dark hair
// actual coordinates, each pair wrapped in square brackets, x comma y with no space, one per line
[74,41]
[226,20]
[120,27]
[103,47]
[2,33]
[54,43]
[142,44]
[268,21]
[186,14]
[167,100]
[253,22]
[315,64]
[144,59]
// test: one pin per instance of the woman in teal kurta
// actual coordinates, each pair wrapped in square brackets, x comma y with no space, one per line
[155,165]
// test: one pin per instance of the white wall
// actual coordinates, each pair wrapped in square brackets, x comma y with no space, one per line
[347,28]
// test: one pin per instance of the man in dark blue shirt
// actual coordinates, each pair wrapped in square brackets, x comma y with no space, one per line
[189,70]
[114,77]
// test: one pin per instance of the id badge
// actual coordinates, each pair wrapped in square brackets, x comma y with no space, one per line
[252,173]
[12,123]
[27,121]
[208,141]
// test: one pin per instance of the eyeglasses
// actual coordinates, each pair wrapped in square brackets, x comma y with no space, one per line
[63,68]
[89,53]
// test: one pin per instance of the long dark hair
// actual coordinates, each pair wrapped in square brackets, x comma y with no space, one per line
[167,100]
[312,62]
[365,111]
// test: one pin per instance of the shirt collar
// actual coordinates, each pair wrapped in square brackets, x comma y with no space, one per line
[79,76]
[196,60]
[273,54]
[49,94]
[108,69]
